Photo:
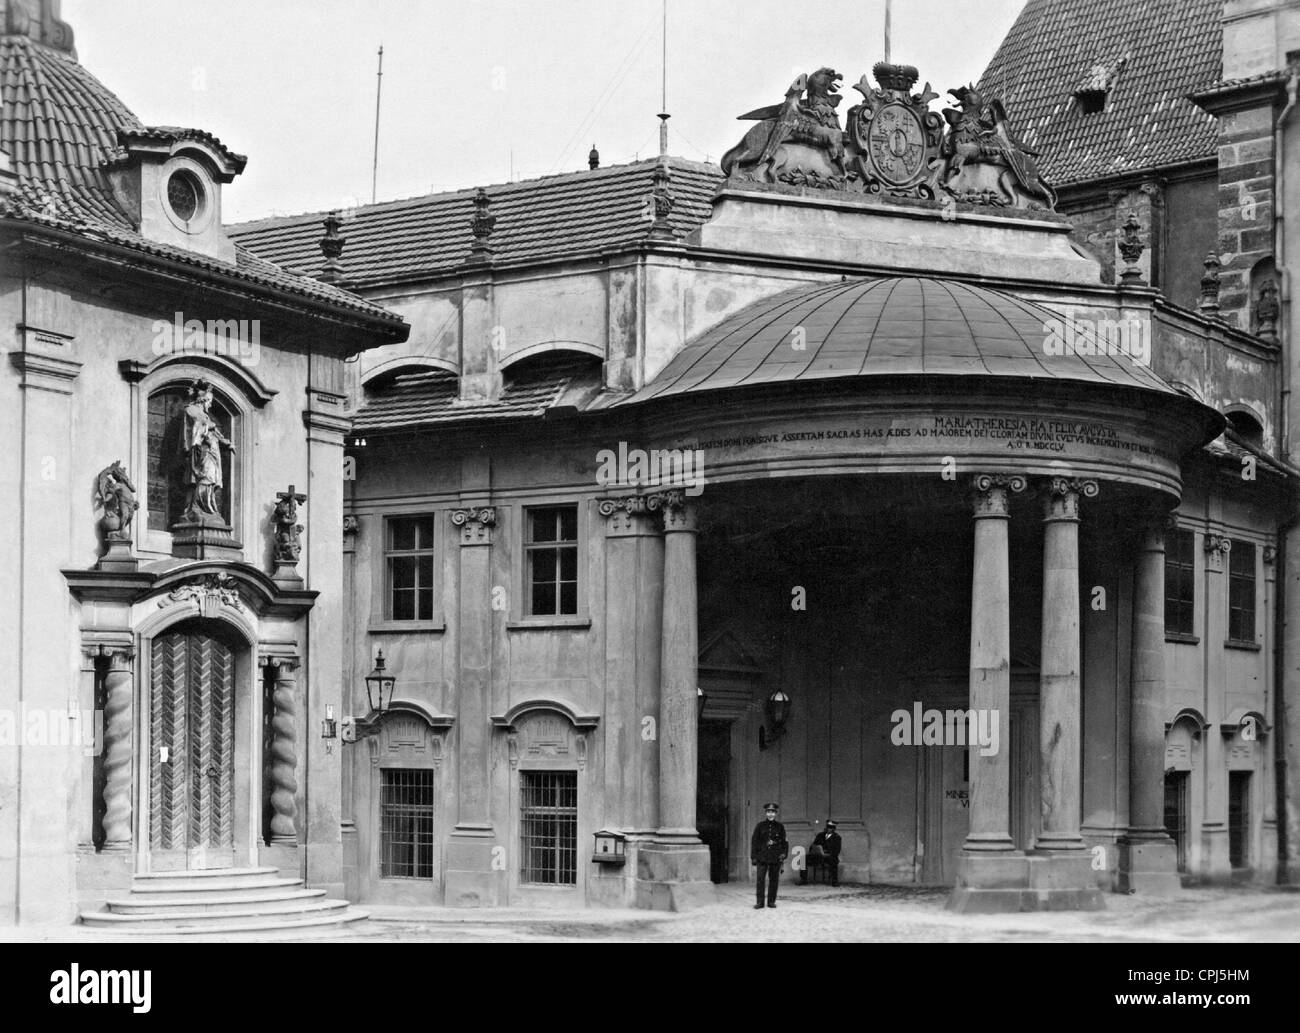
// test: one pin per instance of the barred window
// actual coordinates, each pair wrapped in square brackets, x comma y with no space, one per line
[1180,583]
[551,561]
[1241,592]
[406,824]
[409,553]
[548,814]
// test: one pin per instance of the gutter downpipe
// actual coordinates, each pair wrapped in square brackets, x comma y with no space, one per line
[1285,529]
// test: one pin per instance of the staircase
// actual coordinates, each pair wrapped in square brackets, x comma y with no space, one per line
[219,900]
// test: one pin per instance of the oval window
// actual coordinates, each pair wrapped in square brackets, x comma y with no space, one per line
[184,195]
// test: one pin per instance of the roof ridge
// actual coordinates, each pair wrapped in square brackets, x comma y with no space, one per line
[511,186]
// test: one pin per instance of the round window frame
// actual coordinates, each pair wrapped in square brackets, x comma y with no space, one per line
[203,191]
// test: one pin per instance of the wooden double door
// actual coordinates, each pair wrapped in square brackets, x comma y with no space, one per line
[192,751]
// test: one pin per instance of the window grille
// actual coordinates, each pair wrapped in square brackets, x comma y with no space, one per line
[551,553]
[409,552]
[1180,583]
[549,827]
[406,824]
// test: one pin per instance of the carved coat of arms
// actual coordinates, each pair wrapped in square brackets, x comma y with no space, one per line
[893,144]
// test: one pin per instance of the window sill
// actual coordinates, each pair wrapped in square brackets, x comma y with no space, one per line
[1178,636]
[1251,646]
[406,627]
[542,623]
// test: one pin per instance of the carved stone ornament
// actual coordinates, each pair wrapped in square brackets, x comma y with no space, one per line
[201,443]
[1210,285]
[1131,247]
[986,162]
[991,492]
[639,503]
[892,144]
[475,524]
[115,494]
[208,593]
[288,532]
[1266,311]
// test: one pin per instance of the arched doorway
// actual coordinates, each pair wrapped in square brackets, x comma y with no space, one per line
[193,796]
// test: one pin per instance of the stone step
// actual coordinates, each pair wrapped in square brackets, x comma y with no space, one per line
[215,923]
[205,873]
[152,904]
[207,887]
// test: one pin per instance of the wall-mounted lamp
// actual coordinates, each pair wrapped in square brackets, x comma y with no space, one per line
[379,694]
[778,712]
[701,697]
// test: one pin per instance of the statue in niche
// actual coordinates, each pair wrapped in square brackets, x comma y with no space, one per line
[201,442]
[116,494]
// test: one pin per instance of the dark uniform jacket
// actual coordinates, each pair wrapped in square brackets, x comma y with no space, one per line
[830,843]
[768,844]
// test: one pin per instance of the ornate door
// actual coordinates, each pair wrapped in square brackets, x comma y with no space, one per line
[191,782]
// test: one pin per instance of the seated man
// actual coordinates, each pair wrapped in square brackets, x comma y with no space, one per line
[825,854]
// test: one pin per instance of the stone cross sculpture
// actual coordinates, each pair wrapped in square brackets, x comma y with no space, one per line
[288,542]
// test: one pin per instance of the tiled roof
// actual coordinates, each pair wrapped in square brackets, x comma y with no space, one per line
[430,396]
[578,213]
[1154,53]
[895,326]
[59,124]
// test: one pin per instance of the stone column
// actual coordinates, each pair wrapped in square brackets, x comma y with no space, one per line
[471,878]
[119,722]
[1061,870]
[676,866]
[992,874]
[1058,694]
[283,760]
[1148,861]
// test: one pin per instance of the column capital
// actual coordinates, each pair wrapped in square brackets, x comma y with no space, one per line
[1061,497]
[283,664]
[475,523]
[1217,547]
[679,513]
[117,648]
[991,491]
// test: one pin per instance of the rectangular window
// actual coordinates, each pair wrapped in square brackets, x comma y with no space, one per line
[1180,583]
[1176,813]
[1239,819]
[409,554]
[551,561]
[548,814]
[406,824]
[1241,592]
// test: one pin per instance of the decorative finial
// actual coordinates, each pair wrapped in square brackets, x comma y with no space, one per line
[332,246]
[481,225]
[663,133]
[1130,249]
[899,78]
[593,158]
[1210,286]
[1266,311]
[663,202]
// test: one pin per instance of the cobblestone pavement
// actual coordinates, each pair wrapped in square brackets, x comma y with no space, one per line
[808,914]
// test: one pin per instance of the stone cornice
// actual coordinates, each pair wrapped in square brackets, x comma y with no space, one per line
[256,590]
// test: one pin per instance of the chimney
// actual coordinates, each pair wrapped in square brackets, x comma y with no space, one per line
[593,158]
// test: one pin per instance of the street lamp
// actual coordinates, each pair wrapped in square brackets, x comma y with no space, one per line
[379,687]
[778,712]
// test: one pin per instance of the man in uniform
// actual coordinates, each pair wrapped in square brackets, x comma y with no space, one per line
[767,850]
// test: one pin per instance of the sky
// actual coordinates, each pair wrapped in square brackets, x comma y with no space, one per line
[477,92]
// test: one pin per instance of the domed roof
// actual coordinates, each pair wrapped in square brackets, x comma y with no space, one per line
[900,326]
[58,123]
